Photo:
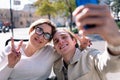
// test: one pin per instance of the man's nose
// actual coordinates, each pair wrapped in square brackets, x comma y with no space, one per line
[60,41]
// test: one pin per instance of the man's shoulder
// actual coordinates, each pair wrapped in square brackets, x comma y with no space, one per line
[93,51]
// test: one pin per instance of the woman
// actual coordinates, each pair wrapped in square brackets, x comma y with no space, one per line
[32,60]
[88,64]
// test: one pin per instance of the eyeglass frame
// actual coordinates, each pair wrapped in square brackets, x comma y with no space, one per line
[43,33]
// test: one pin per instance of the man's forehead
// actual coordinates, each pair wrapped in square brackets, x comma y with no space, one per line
[61,32]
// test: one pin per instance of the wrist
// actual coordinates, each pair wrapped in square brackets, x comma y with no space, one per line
[115,50]
[113,39]
[11,66]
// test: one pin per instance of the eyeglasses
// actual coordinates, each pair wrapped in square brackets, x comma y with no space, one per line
[40,32]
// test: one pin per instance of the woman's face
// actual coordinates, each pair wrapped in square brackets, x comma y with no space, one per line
[40,35]
[63,43]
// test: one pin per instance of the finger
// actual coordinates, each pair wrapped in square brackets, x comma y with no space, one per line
[98,22]
[94,6]
[12,44]
[83,20]
[89,11]
[14,52]
[78,10]
[77,36]
[18,54]
[84,38]
[19,45]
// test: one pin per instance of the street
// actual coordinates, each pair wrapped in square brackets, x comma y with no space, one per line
[19,33]
[22,33]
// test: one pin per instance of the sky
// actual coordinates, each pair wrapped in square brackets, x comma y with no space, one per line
[6,4]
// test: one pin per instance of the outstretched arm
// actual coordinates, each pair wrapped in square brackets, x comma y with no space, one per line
[105,26]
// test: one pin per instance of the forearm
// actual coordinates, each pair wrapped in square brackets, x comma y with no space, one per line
[5,73]
[113,44]
[114,50]
[4,69]
[105,24]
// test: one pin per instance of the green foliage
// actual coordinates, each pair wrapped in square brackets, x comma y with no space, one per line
[69,6]
[118,23]
[75,30]
[46,9]
[54,7]
[59,6]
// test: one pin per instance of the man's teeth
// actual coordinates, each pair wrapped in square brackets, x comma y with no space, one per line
[63,46]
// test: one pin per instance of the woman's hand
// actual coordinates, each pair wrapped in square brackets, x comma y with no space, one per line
[84,41]
[14,54]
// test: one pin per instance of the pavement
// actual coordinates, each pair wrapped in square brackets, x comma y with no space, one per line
[22,33]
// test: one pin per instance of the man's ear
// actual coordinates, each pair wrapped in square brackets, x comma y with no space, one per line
[75,41]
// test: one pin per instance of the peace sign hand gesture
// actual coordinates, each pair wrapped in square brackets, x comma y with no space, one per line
[14,54]
[84,41]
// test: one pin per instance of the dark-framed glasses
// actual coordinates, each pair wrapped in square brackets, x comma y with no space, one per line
[40,32]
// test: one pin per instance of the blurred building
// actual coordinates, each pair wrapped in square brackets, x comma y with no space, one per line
[21,18]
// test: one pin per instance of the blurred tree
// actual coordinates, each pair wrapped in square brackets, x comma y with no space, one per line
[69,9]
[55,7]
[44,7]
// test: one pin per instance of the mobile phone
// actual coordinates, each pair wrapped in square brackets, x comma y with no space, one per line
[84,2]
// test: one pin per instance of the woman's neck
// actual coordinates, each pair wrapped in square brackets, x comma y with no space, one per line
[29,50]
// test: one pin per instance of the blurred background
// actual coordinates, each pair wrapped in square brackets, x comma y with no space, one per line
[17,15]
[21,13]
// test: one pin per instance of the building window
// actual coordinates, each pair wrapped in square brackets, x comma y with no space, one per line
[1,15]
[21,23]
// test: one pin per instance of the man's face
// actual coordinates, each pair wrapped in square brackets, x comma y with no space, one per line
[63,43]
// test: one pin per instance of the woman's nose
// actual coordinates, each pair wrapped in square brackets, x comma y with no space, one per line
[41,36]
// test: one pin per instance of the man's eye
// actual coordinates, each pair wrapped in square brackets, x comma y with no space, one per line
[55,41]
[64,37]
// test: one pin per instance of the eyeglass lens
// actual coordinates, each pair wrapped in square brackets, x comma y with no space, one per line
[39,31]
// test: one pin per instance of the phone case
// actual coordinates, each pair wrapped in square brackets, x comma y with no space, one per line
[84,2]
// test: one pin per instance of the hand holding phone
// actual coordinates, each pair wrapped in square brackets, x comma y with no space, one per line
[84,2]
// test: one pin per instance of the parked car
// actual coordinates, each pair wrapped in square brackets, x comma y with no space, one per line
[60,25]
[0,29]
[5,29]
[1,24]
